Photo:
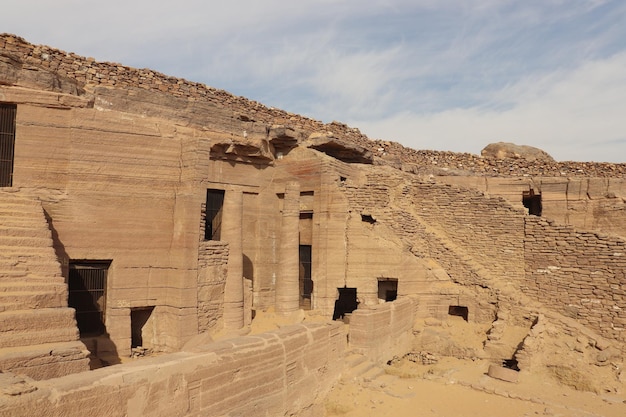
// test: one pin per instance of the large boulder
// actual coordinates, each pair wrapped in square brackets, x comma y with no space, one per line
[504,150]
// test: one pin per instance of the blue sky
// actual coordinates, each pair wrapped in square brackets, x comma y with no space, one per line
[431,74]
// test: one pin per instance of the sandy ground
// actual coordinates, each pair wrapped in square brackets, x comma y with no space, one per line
[461,388]
[454,387]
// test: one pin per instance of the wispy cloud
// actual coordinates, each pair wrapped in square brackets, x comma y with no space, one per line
[574,115]
[444,74]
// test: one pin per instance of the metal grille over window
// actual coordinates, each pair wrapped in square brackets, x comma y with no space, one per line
[306,283]
[87,295]
[8,114]
[214,205]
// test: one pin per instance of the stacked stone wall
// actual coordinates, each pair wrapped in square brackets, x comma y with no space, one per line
[383,331]
[285,372]
[580,274]
[488,229]
[212,270]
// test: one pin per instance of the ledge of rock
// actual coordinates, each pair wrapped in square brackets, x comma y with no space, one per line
[339,149]
[250,150]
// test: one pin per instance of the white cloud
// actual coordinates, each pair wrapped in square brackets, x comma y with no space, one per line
[576,115]
[467,72]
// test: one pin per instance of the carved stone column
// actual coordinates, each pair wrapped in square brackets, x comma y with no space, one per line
[287,285]
[232,224]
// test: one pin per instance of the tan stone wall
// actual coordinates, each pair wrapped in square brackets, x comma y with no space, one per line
[451,224]
[597,203]
[383,331]
[113,185]
[486,228]
[580,274]
[212,269]
[285,372]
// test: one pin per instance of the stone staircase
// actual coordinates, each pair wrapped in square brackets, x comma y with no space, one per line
[38,333]
[359,368]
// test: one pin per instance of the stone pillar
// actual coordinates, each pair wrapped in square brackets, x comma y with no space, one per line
[287,282]
[232,221]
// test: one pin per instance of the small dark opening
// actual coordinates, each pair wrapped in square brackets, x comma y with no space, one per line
[138,319]
[459,311]
[532,202]
[306,215]
[511,364]
[368,219]
[387,289]
[346,303]
[342,179]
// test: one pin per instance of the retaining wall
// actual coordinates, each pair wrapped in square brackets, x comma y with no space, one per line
[285,372]
[580,274]
[384,331]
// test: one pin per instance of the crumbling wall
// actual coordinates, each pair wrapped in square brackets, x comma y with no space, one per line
[212,270]
[580,274]
[486,228]
[597,204]
[285,372]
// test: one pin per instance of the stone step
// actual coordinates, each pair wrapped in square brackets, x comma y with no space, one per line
[28,338]
[7,251]
[356,372]
[45,361]
[17,198]
[33,267]
[18,214]
[373,373]
[44,241]
[24,230]
[57,286]
[32,327]
[25,300]
[19,275]
[353,359]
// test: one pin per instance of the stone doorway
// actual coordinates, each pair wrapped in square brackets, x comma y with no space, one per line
[8,113]
[532,202]
[139,317]
[346,303]
[305,281]
[87,285]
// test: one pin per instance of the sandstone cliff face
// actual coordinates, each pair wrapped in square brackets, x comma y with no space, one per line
[122,161]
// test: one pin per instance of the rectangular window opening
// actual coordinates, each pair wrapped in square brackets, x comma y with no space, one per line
[8,113]
[87,285]
[387,289]
[139,317]
[306,282]
[213,215]
[532,202]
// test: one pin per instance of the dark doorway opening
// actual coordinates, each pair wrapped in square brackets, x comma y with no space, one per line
[459,311]
[87,295]
[213,214]
[387,289]
[8,113]
[346,303]
[367,218]
[532,202]
[138,318]
[306,283]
